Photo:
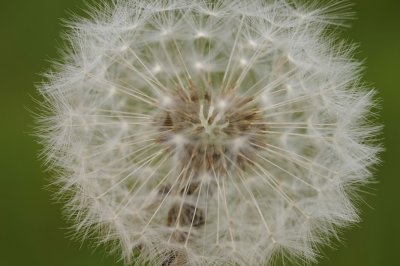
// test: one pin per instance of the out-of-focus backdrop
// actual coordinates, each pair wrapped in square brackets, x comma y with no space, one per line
[32,229]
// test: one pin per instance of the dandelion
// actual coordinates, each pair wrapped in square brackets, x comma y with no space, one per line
[209,132]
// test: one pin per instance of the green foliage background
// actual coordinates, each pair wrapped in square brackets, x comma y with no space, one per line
[32,230]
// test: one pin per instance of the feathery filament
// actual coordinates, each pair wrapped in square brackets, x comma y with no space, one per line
[209,132]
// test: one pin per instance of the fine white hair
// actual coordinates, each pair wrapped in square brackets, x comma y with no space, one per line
[145,88]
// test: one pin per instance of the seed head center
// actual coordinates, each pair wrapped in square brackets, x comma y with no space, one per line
[211,133]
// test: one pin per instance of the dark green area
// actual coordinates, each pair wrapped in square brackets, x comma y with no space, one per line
[32,230]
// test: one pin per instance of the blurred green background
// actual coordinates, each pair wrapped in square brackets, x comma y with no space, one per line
[32,229]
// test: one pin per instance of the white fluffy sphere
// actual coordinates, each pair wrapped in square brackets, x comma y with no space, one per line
[209,132]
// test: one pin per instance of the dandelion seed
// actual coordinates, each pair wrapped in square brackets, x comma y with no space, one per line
[209,132]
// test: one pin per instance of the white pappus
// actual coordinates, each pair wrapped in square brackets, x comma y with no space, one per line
[209,132]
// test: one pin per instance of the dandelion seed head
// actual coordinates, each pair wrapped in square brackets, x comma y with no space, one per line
[209,132]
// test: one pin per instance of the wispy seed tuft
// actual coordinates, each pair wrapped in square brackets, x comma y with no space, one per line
[209,132]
